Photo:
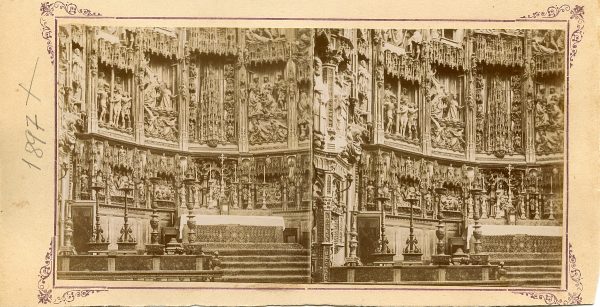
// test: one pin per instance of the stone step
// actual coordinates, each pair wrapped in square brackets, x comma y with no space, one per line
[263,258]
[265,252]
[266,264]
[270,272]
[533,268]
[210,246]
[528,262]
[547,282]
[533,275]
[505,256]
[265,279]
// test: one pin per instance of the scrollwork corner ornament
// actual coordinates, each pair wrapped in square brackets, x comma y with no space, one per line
[573,292]
[576,11]
[44,291]
[47,10]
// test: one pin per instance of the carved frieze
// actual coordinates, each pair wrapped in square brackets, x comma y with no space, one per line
[499,47]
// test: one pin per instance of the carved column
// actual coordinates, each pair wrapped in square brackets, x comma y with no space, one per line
[529,94]
[91,97]
[138,101]
[183,90]
[243,110]
[292,97]
[470,114]
[377,84]
[329,72]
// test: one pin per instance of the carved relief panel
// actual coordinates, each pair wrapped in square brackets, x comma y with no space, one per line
[158,84]
[114,86]
[445,95]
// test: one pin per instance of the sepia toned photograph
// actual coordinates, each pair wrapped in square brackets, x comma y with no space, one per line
[438,157]
[184,154]
[398,156]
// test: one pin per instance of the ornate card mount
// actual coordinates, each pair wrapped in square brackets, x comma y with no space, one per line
[47,11]
[44,291]
[576,36]
[573,292]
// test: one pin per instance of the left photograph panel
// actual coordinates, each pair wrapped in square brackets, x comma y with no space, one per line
[183,154]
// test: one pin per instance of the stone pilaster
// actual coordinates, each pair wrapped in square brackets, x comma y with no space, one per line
[183,95]
[529,94]
[471,110]
[378,89]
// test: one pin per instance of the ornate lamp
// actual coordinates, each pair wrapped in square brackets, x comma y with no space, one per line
[265,184]
[126,241]
[351,258]
[440,258]
[154,248]
[551,195]
[477,256]
[192,247]
[97,241]
[383,256]
[412,253]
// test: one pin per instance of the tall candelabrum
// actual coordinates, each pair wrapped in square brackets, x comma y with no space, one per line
[155,247]
[551,195]
[97,242]
[351,234]
[440,258]
[477,256]
[412,253]
[191,247]
[264,185]
[126,241]
[383,256]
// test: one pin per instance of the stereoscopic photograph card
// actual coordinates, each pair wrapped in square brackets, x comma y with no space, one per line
[285,153]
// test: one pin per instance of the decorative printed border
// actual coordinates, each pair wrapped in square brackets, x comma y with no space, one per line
[573,297]
[576,14]
[45,295]
[44,291]
[47,10]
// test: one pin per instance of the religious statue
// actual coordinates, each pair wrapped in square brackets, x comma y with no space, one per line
[304,115]
[165,97]
[389,101]
[453,107]
[102,92]
[115,105]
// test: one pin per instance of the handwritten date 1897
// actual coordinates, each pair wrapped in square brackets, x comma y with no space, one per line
[33,142]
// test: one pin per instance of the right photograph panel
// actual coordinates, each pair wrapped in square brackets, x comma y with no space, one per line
[438,156]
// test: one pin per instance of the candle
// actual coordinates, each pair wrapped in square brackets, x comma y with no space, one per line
[264,171]
[209,171]
[551,183]
[235,172]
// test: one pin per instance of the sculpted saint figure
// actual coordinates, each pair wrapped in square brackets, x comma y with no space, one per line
[115,105]
[103,89]
[389,101]
[453,108]
[165,97]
